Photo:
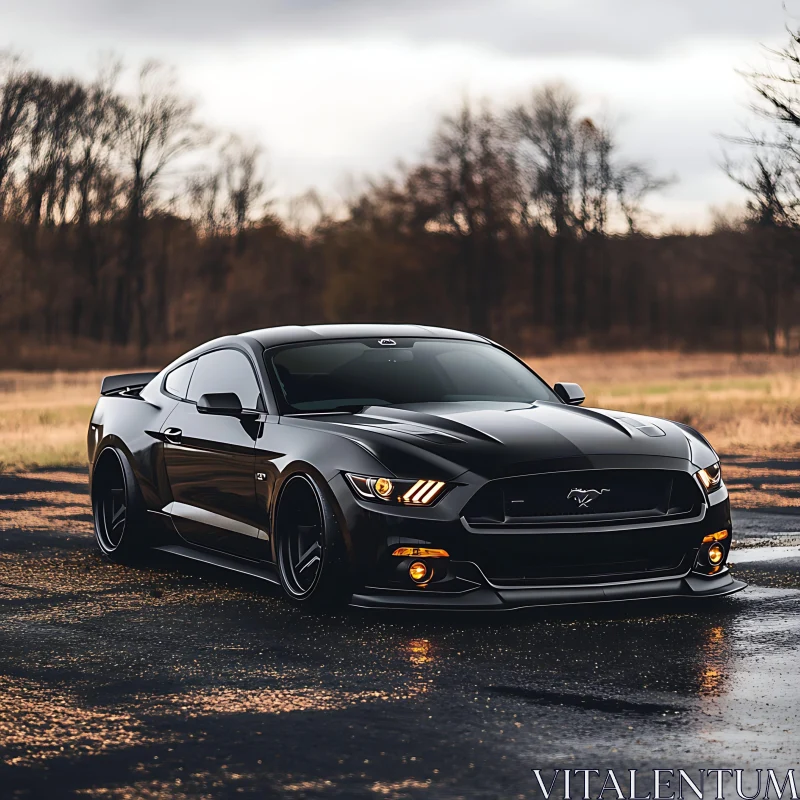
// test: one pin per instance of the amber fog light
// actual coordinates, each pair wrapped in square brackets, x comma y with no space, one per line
[715,554]
[418,572]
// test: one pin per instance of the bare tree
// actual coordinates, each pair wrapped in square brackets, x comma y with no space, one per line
[770,180]
[467,190]
[574,184]
[244,186]
[157,128]
[15,95]
[97,189]
[48,151]
[777,87]
[98,125]
[545,130]
[204,192]
[595,182]
[55,107]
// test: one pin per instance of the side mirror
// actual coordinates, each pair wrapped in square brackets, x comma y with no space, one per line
[570,393]
[224,404]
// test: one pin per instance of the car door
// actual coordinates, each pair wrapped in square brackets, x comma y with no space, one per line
[210,458]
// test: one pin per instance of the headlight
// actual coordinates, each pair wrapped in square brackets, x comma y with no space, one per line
[711,477]
[397,492]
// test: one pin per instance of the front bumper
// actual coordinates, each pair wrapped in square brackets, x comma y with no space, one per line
[472,579]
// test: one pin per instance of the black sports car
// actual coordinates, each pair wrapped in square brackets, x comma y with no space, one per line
[403,466]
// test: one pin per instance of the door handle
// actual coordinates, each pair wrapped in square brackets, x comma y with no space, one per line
[173,435]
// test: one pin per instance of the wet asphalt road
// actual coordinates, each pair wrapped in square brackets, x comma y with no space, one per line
[179,681]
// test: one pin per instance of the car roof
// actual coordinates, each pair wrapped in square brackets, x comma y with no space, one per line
[288,334]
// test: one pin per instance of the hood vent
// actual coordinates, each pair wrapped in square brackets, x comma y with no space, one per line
[647,428]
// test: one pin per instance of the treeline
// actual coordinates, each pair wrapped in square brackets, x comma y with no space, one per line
[124,223]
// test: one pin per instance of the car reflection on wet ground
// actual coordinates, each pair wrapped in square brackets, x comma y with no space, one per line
[175,680]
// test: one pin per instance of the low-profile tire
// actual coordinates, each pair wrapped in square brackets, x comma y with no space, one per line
[117,508]
[310,551]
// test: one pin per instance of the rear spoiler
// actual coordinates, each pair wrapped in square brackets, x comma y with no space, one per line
[129,383]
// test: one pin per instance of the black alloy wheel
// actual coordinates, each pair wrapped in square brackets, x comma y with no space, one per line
[301,543]
[115,506]
[308,546]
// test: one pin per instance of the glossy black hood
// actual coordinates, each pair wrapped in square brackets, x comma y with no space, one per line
[496,439]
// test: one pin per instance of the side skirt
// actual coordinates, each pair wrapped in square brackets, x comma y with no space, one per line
[265,572]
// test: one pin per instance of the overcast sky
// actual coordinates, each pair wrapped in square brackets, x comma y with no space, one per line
[339,89]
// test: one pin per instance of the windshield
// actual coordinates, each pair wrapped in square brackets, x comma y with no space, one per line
[348,375]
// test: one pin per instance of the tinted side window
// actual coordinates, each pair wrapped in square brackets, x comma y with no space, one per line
[178,380]
[225,371]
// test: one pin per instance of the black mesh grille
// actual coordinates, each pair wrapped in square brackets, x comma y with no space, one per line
[554,506]
[593,497]
[560,557]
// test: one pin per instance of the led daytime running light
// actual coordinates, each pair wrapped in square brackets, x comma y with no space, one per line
[422,492]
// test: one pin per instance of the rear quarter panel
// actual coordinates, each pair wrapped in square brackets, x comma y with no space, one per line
[129,424]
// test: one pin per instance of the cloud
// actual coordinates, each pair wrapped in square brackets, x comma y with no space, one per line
[636,28]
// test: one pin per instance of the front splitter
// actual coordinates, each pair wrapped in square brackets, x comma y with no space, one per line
[491,599]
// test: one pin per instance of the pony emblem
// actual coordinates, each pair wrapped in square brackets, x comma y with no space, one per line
[585,496]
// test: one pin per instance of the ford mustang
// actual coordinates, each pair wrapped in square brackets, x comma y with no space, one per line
[403,466]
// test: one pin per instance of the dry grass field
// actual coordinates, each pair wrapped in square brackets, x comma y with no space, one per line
[747,405]
[44,417]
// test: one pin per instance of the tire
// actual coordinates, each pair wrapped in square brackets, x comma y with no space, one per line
[117,508]
[311,558]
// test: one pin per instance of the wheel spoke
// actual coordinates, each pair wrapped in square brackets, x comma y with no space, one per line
[310,557]
[118,517]
[118,502]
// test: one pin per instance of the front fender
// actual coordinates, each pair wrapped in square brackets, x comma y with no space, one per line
[702,453]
